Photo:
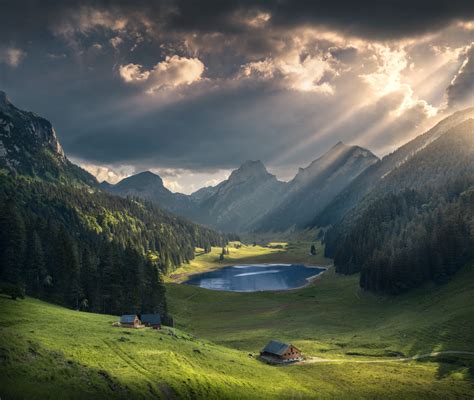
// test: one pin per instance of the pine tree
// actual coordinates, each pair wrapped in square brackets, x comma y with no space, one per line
[89,280]
[153,292]
[131,280]
[110,280]
[12,244]
[35,271]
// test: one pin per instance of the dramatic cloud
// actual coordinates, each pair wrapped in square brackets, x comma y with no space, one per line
[367,18]
[304,75]
[193,89]
[133,73]
[172,72]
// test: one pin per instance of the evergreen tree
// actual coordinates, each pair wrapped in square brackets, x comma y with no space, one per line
[89,280]
[35,272]
[110,280]
[153,292]
[131,280]
[12,244]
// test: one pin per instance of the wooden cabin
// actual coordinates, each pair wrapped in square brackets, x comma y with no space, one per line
[277,352]
[153,320]
[129,321]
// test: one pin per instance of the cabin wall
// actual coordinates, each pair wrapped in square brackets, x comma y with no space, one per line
[291,353]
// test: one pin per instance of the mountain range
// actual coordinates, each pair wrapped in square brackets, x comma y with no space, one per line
[250,200]
[253,200]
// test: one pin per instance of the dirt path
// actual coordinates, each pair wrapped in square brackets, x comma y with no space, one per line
[312,360]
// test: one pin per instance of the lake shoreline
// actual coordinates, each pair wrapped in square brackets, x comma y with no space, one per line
[309,280]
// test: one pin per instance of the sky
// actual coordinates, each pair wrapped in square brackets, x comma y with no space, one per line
[191,90]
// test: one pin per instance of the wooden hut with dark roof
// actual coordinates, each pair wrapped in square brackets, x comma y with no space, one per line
[153,320]
[278,353]
[130,321]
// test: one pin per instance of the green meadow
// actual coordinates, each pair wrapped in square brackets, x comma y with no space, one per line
[47,351]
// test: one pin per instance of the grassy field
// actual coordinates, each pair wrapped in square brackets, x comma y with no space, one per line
[47,351]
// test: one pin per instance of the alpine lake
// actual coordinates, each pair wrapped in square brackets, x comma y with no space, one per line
[256,277]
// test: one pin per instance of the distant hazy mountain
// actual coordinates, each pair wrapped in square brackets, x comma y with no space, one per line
[372,177]
[315,186]
[232,205]
[252,198]
[28,145]
[204,193]
[248,194]
[149,186]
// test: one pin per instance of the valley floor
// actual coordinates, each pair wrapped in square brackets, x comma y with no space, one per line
[46,350]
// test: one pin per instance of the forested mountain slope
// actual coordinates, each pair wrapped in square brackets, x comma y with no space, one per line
[65,240]
[417,224]
[372,176]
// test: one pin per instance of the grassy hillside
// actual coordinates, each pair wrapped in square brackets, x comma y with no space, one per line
[46,350]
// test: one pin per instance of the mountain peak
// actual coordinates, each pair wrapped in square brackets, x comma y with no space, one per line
[339,146]
[250,169]
[253,165]
[141,180]
[334,158]
[148,175]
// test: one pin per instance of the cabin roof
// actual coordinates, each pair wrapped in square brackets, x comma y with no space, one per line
[275,347]
[127,319]
[153,319]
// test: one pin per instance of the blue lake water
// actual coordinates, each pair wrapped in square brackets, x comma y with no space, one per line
[255,277]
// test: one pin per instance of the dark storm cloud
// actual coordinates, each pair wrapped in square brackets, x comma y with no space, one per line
[194,134]
[267,84]
[374,19]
